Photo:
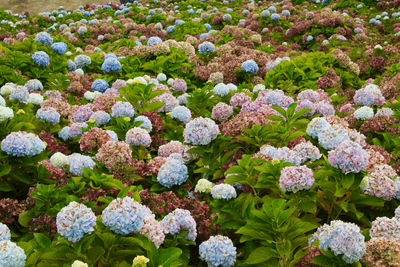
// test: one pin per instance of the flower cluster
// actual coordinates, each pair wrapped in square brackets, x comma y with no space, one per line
[21,144]
[178,220]
[218,251]
[200,131]
[296,178]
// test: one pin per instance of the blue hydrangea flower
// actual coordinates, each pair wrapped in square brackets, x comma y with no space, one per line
[146,123]
[173,171]
[286,13]
[218,251]
[77,161]
[309,38]
[20,144]
[34,84]
[64,133]
[82,61]
[48,114]
[153,40]
[44,38]
[203,35]
[100,85]
[71,65]
[170,29]
[113,135]
[181,113]
[101,117]
[275,17]
[124,215]
[223,191]
[316,125]
[208,26]
[111,64]
[41,58]
[265,14]
[200,131]
[206,47]
[177,220]
[122,109]
[11,255]
[250,66]
[5,233]
[272,9]
[74,221]
[221,89]
[59,47]
[342,239]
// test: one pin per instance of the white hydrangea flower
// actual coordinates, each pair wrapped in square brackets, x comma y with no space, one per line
[59,159]
[364,113]
[203,186]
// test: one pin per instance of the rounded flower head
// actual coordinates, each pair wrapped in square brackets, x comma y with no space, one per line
[316,125]
[153,230]
[11,255]
[82,113]
[74,221]
[200,131]
[77,161]
[221,111]
[218,251]
[153,40]
[206,47]
[100,85]
[250,66]
[275,17]
[140,261]
[178,220]
[111,64]
[138,136]
[203,186]
[369,95]
[173,171]
[146,123]
[58,159]
[349,157]
[221,89]
[181,113]
[101,117]
[364,113]
[295,178]
[59,47]
[6,113]
[82,61]
[35,99]
[223,191]
[122,109]
[34,84]
[5,233]
[330,138]
[41,58]
[21,144]
[385,227]
[342,238]
[124,215]
[49,114]
[179,85]
[44,38]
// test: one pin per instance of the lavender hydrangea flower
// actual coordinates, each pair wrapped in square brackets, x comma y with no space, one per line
[178,220]
[200,131]
[223,191]
[122,109]
[101,117]
[11,255]
[349,157]
[21,144]
[173,171]
[20,93]
[218,251]
[138,136]
[369,95]
[49,114]
[41,58]
[342,238]
[82,113]
[296,178]
[44,38]
[74,221]
[124,215]
[34,84]
[181,113]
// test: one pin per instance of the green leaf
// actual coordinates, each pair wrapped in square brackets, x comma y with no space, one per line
[260,255]
[42,240]
[6,187]
[322,260]
[169,255]
[25,217]
[348,180]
